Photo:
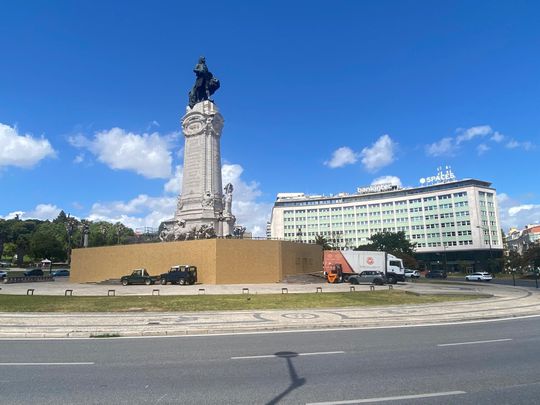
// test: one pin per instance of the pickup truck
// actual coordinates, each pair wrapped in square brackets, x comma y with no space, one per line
[138,276]
[179,275]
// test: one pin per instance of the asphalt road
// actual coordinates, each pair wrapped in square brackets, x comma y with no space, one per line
[483,363]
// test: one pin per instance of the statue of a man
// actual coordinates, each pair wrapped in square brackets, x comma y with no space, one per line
[227,199]
[205,84]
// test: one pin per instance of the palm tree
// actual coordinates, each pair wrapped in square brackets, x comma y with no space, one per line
[322,241]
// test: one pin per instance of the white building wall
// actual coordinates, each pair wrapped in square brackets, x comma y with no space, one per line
[284,228]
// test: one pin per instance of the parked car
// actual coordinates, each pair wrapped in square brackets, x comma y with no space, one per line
[436,274]
[368,277]
[3,274]
[60,273]
[5,264]
[138,276]
[479,276]
[33,273]
[412,273]
[180,275]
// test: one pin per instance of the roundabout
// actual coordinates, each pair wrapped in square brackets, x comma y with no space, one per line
[495,302]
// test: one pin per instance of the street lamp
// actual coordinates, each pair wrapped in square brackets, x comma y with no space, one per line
[489,241]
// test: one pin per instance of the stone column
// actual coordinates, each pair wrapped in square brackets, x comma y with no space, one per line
[201,200]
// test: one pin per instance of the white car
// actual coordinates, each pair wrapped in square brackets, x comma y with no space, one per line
[480,276]
[412,273]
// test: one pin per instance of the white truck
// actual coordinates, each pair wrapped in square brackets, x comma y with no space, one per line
[356,261]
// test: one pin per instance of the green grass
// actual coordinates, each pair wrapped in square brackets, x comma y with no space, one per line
[23,303]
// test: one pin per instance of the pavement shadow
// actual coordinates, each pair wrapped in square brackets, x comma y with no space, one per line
[296,382]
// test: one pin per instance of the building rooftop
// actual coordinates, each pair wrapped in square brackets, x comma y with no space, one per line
[378,192]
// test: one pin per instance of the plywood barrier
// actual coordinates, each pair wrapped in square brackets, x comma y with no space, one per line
[219,261]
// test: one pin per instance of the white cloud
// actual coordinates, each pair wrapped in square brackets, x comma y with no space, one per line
[513,144]
[142,211]
[341,157]
[41,211]
[482,148]
[22,150]
[497,137]
[174,185]
[248,211]
[147,211]
[448,146]
[145,154]
[473,132]
[514,213]
[443,147]
[380,154]
[396,181]
[79,158]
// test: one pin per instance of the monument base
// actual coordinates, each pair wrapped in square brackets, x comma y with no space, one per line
[218,261]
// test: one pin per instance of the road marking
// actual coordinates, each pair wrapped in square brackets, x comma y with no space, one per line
[48,364]
[383,399]
[477,342]
[269,356]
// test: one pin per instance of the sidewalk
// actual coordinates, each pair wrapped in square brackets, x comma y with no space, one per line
[507,302]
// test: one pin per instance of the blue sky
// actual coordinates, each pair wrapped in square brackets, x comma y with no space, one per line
[318,97]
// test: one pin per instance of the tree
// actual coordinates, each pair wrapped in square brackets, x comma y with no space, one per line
[395,243]
[3,235]
[20,233]
[531,257]
[323,242]
[391,242]
[47,242]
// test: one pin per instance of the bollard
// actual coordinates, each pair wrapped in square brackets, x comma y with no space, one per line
[155,291]
[284,290]
[111,293]
[68,293]
[351,288]
[202,291]
[371,288]
[390,287]
[30,291]
[319,290]
[245,290]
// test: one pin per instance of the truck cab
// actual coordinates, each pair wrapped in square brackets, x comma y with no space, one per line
[395,270]
[180,274]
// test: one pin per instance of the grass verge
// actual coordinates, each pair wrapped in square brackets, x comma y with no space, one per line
[23,303]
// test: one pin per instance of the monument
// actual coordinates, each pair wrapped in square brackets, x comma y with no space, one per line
[204,208]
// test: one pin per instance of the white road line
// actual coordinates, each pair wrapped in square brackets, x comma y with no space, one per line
[383,399]
[269,356]
[48,364]
[477,342]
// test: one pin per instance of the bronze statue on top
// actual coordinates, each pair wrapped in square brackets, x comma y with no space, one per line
[205,84]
